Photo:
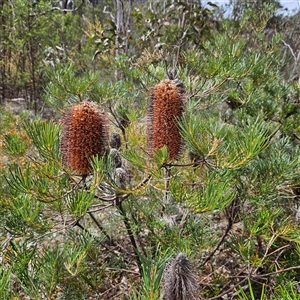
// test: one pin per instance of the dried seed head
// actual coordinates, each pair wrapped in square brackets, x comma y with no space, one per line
[166,107]
[122,177]
[179,282]
[172,73]
[85,134]
[115,140]
[116,158]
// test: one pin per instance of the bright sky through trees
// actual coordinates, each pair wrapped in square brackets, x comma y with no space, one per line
[291,5]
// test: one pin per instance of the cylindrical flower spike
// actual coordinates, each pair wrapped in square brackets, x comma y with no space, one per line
[85,134]
[166,107]
[179,282]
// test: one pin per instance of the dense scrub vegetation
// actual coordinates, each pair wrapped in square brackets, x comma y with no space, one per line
[194,120]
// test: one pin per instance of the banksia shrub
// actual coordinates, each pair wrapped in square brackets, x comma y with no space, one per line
[166,107]
[85,134]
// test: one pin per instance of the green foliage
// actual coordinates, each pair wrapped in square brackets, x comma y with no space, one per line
[172,25]
[80,202]
[22,256]
[14,144]
[152,271]
[45,137]
[4,283]
[242,295]
[25,216]
[288,292]
[216,194]
[65,87]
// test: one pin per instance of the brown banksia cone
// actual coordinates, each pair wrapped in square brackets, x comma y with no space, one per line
[178,280]
[166,107]
[85,134]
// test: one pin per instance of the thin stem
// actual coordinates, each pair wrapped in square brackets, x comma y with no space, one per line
[116,250]
[277,272]
[229,290]
[229,225]
[119,125]
[81,227]
[129,232]
[167,174]
[99,225]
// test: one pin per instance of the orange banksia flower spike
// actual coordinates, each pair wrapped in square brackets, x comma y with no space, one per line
[166,107]
[85,134]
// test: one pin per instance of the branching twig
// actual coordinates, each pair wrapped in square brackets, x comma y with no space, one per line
[98,209]
[229,225]
[119,124]
[211,89]
[105,245]
[277,272]
[129,232]
[290,48]
[197,162]
[167,175]
[252,277]
[99,226]
[229,290]
[296,58]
